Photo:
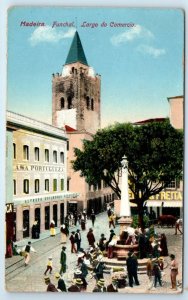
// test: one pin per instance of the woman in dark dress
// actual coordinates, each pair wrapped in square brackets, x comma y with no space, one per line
[163,245]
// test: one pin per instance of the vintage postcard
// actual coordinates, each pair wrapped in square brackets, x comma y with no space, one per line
[94,150]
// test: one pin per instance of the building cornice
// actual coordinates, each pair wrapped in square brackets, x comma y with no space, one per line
[18,121]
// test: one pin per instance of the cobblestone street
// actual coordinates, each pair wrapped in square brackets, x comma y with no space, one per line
[17,274]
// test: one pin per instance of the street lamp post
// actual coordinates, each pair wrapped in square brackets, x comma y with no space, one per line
[125,211]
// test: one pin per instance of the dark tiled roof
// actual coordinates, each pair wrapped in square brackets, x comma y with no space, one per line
[76,52]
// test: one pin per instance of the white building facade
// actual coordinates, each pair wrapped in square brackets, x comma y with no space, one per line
[39,174]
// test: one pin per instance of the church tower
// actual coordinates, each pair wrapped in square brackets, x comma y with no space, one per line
[76,92]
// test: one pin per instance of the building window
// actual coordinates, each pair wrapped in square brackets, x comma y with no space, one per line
[14,150]
[62,184]
[47,185]
[92,104]
[14,186]
[55,156]
[26,186]
[54,185]
[68,184]
[36,185]
[46,155]
[36,153]
[62,157]
[26,152]
[87,102]
[62,103]
[67,145]
[69,102]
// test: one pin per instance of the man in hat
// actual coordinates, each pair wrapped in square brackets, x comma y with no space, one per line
[93,218]
[174,271]
[60,284]
[78,239]
[91,238]
[113,286]
[72,240]
[132,267]
[50,287]
[63,259]
[100,286]
[76,286]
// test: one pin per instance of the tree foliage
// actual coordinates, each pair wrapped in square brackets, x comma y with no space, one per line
[154,152]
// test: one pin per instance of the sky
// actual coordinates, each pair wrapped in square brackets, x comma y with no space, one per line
[140,65]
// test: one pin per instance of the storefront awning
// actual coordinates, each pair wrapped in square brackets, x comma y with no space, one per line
[155,203]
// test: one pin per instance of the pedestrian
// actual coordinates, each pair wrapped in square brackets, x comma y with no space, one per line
[28,248]
[102,242]
[67,222]
[75,217]
[52,228]
[78,239]
[72,240]
[111,245]
[112,234]
[178,223]
[35,231]
[15,250]
[49,266]
[82,273]
[111,220]
[100,286]
[157,274]
[93,217]
[84,268]
[63,260]
[99,269]
[83,222]
[163,245]
[76,286]
[132,267]
[112,288]
[174,271]
[91,238]
[50,286]
[60,284]
[149,269]
[85,215]
[64,233]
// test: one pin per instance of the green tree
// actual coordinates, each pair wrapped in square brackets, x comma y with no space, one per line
[154,152]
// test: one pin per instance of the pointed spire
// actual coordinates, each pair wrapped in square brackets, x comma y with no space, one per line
[76,52]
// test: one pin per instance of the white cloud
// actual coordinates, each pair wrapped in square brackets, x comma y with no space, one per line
[136,32]
[155,52]
[49,34]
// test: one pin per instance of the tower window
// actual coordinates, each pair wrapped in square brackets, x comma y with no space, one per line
[55,156]
[62,157]
[69,101]
[36,153]
[87,102]
[92,104]
[47,186]
[62,103]
[14,150]
[26,152]
[46,155]
[26,186]
[36,185]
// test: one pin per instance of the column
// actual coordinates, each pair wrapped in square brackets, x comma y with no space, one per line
[42,218]
[19,223]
